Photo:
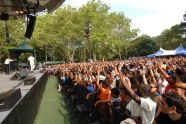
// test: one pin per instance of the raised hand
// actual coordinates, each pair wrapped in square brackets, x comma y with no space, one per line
[96,103]
[142,72]
[87,96]
[120,66]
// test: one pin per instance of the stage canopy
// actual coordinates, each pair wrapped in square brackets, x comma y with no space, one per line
[23,48]
[17,8]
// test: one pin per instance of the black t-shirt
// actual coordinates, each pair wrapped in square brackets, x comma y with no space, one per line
[164,119]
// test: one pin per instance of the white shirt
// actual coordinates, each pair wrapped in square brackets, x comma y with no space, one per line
[7,61]
[162,85]
[31,59]
[146,110]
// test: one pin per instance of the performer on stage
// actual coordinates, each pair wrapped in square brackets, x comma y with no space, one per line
[7,64]
[31,59]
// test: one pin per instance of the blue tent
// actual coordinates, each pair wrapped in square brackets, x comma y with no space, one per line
[180,50]
[159,52]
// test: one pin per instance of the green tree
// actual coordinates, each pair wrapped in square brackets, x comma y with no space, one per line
[143,46]
[170,38]
[61,35]
[16,30]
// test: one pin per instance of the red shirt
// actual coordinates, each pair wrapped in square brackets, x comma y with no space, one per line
[170,89]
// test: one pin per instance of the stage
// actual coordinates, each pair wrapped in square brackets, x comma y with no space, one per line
[25,110]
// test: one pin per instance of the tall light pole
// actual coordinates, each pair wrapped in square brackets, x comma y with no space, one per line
[7,32]
[87,35]
[184,26]
[184,16]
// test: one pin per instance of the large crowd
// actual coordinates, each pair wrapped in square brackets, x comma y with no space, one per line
[134,91]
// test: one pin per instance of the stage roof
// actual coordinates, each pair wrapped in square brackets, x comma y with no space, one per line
[20,7]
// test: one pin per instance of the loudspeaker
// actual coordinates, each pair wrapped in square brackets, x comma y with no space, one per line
[30,26]
[9,98]
[4,16]
[29,80]
[19,75]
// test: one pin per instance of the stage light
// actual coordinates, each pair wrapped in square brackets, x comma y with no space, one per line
[21,12]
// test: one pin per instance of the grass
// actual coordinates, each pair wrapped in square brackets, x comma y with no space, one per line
[52,109]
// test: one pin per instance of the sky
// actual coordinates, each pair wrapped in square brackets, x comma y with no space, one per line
[150,16]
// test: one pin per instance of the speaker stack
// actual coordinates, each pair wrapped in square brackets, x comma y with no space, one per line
[20,75]
[30,26]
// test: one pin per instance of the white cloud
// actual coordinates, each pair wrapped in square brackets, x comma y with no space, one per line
[154,24]
[166,13]
[75,3]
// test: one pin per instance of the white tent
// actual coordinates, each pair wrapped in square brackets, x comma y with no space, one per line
[180,50]
[162,52]
[168,53]
[159,52]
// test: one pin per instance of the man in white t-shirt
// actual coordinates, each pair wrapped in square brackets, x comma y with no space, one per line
[7,65]
[142,108]
[145,110]
[31,59]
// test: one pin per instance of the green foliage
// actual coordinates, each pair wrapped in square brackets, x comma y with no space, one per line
[62,36]
[143,46]
[16,32]
[171,38]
